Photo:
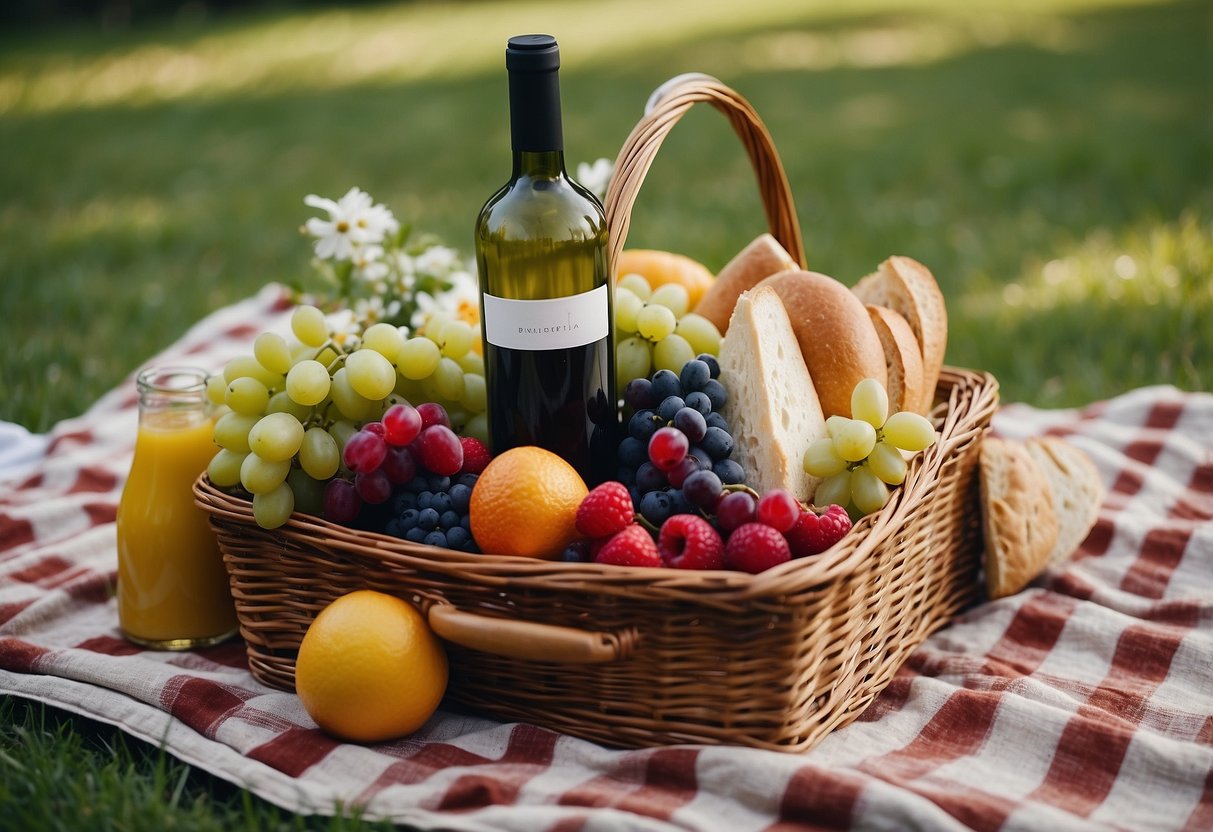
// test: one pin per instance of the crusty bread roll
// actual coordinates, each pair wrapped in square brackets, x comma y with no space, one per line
[1017,516]
[761,258]
[902,360]
[772,407]
[1077,491]
[909,289]
[837,338]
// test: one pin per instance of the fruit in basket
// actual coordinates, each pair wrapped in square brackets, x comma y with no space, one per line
[606,510]
[630,547]
[687,541]
[476,455]
[434,510]
[655,331]
[756,547]
[665,268]
[370,669]
[525,503]
[815,532]
[862,457]
[301,403]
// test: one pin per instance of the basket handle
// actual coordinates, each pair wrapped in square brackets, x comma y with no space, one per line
[528,639]
[666,106]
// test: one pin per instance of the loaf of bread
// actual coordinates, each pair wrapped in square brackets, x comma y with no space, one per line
[761,258]
[909,289]
[1018,519]
[902,361]
[772,407]
[835,333]
[1077,491]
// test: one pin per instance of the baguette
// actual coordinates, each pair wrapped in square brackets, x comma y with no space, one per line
[1018,519]
[761,258]
[903,361]
[836,336]
[909,289]
[1077,491]
[772,407]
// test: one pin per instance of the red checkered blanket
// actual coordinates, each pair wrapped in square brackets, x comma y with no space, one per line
[1084,702]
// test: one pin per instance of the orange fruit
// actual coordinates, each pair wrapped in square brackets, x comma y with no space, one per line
[525,503]
[662,267]
[369,668]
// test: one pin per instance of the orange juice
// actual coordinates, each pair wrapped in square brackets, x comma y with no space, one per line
[172,586]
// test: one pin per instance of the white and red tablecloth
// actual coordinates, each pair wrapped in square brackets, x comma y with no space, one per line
[1084,702]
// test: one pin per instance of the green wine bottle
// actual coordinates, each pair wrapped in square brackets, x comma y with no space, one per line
[546,300]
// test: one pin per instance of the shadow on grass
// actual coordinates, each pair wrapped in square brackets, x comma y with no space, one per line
[119,227]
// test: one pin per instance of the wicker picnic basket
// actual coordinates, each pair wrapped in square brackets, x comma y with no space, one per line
[643,657]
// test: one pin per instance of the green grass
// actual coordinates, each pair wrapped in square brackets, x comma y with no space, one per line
[1053,165]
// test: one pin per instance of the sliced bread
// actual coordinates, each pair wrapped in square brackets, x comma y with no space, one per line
[902,360]
[1077,491]
[909,289]
[1018,520]
[837,338]
[761,258]
[772,407]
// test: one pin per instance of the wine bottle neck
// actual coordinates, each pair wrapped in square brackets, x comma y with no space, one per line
[535,126]
[539,164]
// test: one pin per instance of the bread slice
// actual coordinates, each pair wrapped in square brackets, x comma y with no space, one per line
[909,289]
[761,258]
[902,361]
[1077,491]
[837,339]
[772,407]
[1017,516]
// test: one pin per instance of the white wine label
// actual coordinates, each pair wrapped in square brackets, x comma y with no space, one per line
[550,324]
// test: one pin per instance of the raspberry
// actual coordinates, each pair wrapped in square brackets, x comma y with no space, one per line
[475,455]
[630,547]
[756,547]
[814,533]
[605,511]
[689,542]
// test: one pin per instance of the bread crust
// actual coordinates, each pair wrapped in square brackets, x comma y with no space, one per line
[1018,519]
[903,361]
[835,333]
[1077,491]
[909,289]
[764,256]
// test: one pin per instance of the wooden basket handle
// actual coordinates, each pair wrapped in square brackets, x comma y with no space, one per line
[667,105]
[527,639]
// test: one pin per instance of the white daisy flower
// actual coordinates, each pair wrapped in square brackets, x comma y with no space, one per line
[596,177]
[354,220]
[437,261]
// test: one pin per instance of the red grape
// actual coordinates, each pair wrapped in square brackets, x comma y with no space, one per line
[364,452]
[679,473]
[735,509]
[373,488]
[403,423]
[433,414]
[376,428]
[439,450]
[779,510]
[668,447]
[341,501]
[399,465]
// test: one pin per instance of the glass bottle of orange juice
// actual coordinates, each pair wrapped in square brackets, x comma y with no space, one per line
[173,589]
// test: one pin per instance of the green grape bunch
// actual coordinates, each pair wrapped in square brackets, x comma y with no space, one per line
[287,411]
[654,329]
[861,457]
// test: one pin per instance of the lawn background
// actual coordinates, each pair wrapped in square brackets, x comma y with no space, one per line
[1052,164]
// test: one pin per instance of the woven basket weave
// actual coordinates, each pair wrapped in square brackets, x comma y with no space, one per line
[642,657]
